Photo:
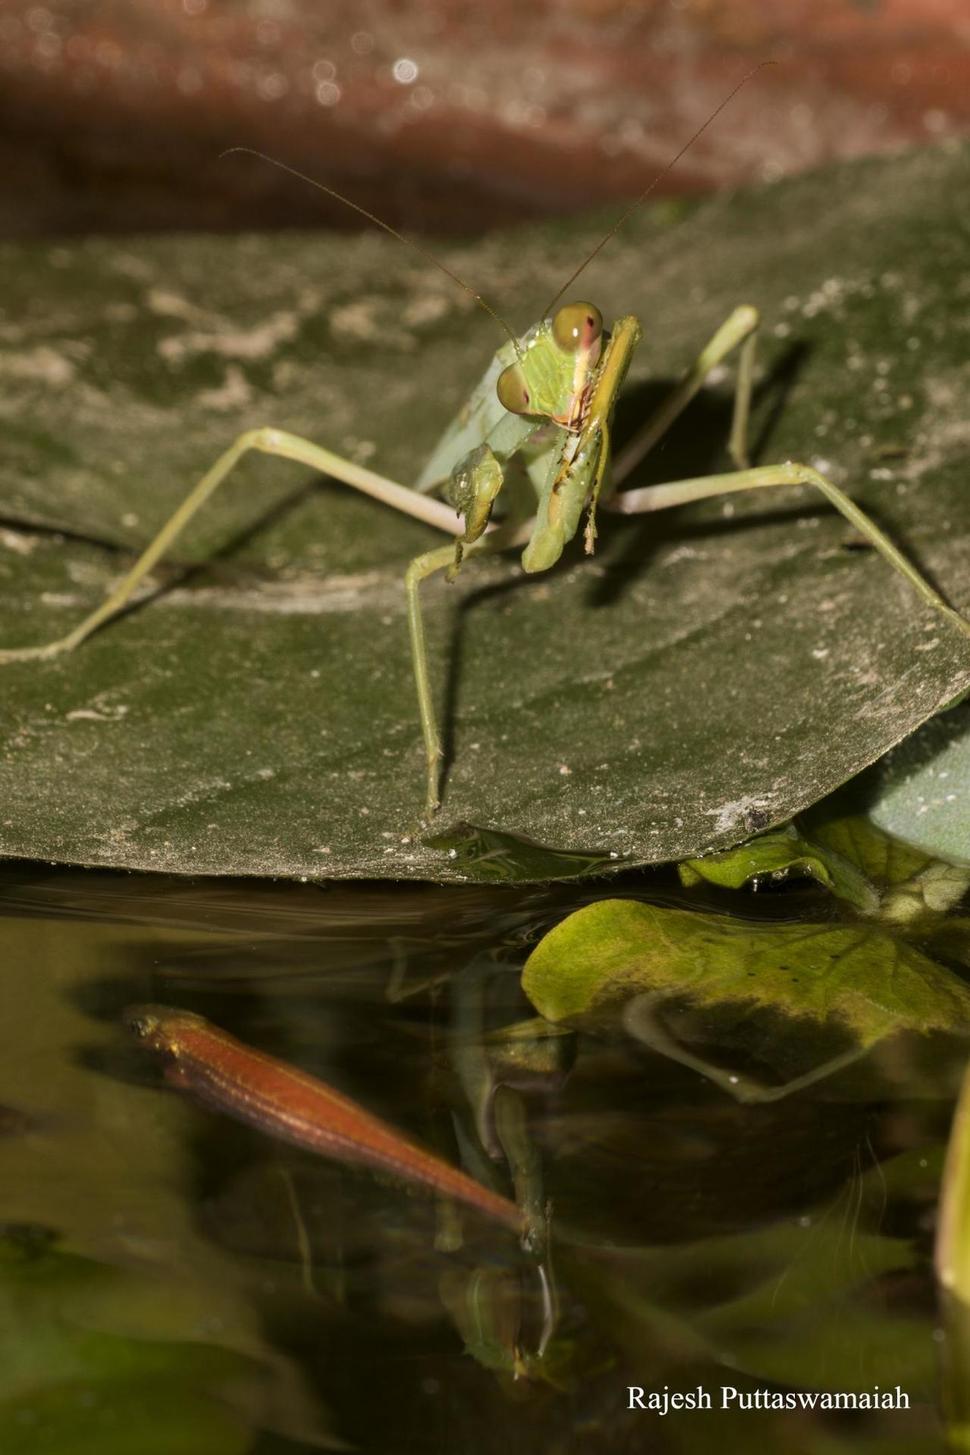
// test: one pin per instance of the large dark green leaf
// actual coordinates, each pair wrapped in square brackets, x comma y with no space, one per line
[708,674]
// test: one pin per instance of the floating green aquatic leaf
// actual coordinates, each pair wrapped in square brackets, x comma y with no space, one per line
[784,852]
[858,976]
[851,856]
[885,861]
[860,979]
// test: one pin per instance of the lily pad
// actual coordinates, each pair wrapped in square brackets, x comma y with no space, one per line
[708,674]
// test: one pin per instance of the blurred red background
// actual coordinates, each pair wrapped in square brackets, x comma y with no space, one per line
[446,116]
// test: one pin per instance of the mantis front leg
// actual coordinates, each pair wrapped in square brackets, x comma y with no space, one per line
[681,492]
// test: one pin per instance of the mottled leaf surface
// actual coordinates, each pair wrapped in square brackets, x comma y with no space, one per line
[856,978]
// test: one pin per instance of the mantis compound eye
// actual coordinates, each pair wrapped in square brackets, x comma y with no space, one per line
[512,390]
[577,326]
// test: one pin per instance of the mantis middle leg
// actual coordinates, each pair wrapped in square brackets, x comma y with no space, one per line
[419,570]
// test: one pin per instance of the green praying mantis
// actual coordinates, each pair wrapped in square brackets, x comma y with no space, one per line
[530,447]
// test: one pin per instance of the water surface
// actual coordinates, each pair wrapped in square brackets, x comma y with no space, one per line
[175,1281]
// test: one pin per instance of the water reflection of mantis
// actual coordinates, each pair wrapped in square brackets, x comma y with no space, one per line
[643,1019]
[497,1069]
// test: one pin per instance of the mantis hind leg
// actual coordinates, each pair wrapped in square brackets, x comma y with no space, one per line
[681,492]
[291,447]
[739,331]
[264,441]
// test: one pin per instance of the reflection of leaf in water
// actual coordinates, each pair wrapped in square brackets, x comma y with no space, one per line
[73,1384]
[858,975]
[795,1302]
[140,1293]
[101,1359]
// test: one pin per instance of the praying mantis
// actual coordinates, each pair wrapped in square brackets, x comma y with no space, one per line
[526,459]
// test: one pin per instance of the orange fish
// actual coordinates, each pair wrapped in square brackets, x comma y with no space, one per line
[287,1103]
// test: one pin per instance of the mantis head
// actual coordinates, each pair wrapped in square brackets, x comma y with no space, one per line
[551,372]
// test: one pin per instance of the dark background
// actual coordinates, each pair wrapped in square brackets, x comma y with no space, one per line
[445,116]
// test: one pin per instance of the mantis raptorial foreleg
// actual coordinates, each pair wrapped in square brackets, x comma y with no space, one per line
[681,492]
[267,442]
[737,331]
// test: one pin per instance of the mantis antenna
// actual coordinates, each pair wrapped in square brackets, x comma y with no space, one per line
[379,222]
[656,182]
[429,257]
